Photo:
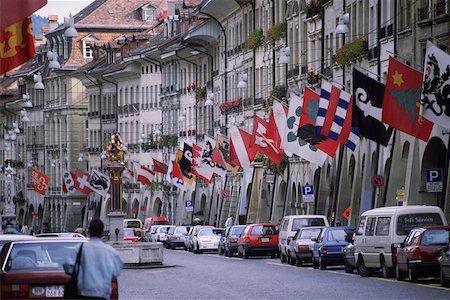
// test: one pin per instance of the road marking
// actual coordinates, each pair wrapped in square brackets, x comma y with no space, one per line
[224,257]
[418,284]
[342,273]
[282,265]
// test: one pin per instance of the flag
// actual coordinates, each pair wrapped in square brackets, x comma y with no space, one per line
[202,165]
[402,100]
[16,45]
[13,11]
[208,156]
[307,126]
[262,143]
[144,174]
[99,182]
[221,154]
[128,174]
[276,128]
[68,184]
[294,144]
[159,167]
[368,103]
[240,152]
[171,177]
[81,182]
[436,86]
[334,117]
[40,181]
[183,164]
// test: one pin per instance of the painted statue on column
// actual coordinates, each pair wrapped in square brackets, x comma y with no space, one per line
[114,150]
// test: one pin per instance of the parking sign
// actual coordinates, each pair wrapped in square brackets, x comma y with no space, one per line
[307,194]
[189,206]
[434,180]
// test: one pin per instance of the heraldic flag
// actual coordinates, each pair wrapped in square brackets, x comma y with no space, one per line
[401,101]
[40,181]
[436,86]
[368,103]
[13,11]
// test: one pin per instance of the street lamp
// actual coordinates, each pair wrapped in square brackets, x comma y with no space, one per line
[342,27]
[210,103]
[38,81]
[284,55]
[243,79]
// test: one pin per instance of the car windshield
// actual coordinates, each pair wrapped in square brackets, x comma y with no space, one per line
[407,222]
[340,234]
[171,230]
[209,232]
[164,229]
[264,230]
[41,256]
[181,230]
[153,229]
[132,224]
[310,233]
[435,237]
[298,223]
[128,233]
[237,231]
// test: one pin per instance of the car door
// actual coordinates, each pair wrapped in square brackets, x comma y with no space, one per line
[370,255]
[401,252]
[382,245]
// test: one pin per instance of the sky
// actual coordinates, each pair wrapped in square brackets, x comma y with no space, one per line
[62,8]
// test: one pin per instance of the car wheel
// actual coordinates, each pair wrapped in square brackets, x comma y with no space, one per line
[386,272]
[245,253]
[322,263]
[190,248]
[363,271]
[413,276]
[283,257]
[291,261]
[172,247]
[348,268]
[227,252]
[239,254]
[273,255]
[401,275]
[185,248]
[299,262]
[220,251]
[444,282]
[315,263]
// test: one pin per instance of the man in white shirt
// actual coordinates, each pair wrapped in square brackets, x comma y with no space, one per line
[230,221]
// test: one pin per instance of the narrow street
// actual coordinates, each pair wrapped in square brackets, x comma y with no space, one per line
[210,276]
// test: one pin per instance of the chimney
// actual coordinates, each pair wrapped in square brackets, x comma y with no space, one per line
[52,22]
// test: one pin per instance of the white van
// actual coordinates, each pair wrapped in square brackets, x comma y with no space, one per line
[380,228]
[291,224]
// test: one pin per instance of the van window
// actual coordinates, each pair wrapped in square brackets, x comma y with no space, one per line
[407,222]
[285,224]
[298,223]
[383,224]
[370,226]
[362,222]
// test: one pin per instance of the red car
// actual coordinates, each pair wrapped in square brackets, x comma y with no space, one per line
[34,269]
[258,239]
[418,255]
[130,235]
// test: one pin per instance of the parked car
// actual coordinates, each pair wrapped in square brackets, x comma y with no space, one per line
[64,235]
[380,228]
[150,235]
[169,237]
[290,225]
[176,239]
[161,234]
[328,250]
[349,258]
[135,224]
[5,238]
[34,268]
[259,239]
[230,239]
[300,246]
[152,221]
[130,235]
[418,255]
[207,239]
[444,262]
[193,236]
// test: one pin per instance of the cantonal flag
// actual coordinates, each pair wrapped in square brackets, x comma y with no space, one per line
[16,45]
[159,167]
[240,152]
[401,102]
[144,174]
[13,11]
[40,181]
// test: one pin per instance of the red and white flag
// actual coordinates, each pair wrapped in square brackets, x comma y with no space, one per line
[202,166]
[40,181]
[129,174]
[264,144]
[144,174]
[81,181]
[241,153]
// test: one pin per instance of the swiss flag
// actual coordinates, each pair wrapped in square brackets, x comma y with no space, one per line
[144,174]
[262,143]
[81,181]
[241,154]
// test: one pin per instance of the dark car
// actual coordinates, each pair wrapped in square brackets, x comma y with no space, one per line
[176,238]
[34,269]
[259,239]
[418,255]
[329,247]
[349,258]
[444,262]
[230,239]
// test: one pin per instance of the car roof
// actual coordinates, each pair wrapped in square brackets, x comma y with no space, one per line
[263,224]
[312,227]
[305,216]
[341,228]
[434,227]
[408,208]
[50,240]
[16,237]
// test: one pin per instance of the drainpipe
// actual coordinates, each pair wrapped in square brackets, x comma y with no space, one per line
[196,84]
[117,100]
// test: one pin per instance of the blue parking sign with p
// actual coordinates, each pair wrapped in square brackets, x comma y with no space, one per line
[189,205]
[434,182]
[307,193]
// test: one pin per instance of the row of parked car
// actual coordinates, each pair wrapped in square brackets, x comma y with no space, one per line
[402,242]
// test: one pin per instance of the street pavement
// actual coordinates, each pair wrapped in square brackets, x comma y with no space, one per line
[210,276]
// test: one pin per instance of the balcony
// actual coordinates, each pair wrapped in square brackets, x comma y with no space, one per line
[423,13]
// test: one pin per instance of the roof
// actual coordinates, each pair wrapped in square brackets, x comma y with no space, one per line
[395,209]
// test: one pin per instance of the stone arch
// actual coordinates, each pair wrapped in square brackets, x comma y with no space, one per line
[201,210]
[278,207]
[299,192]
[124,206]
[39,220]
[135,208]
[433,158]
[328,171]
[21,216]
[316,189]
[405,151]
[157,206]
[83,212]
[29,217]
[351,169]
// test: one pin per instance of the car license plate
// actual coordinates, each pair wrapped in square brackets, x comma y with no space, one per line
[265,240]
[54,291]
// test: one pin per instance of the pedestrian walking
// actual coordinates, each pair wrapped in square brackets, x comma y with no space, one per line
[24,229]
[230,221]
[99,264]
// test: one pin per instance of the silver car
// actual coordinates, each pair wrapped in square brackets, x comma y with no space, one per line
[300,246]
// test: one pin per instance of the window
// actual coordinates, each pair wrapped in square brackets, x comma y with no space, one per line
[370,226]
[383,224]
[435,237]
[148,14]
[298,223]
[407,222]
[87,50]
